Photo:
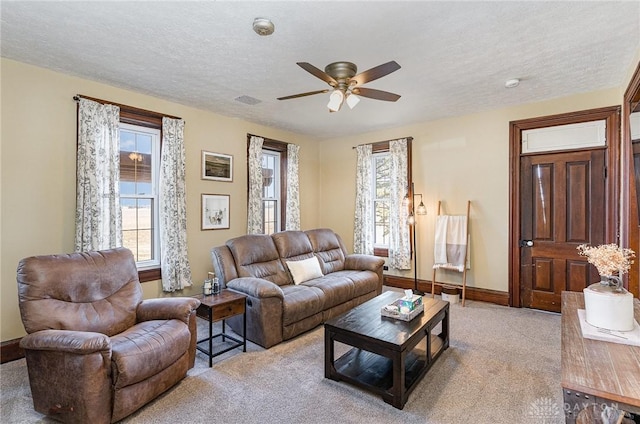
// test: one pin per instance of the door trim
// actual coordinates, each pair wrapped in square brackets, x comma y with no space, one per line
[629,225]
[612,116]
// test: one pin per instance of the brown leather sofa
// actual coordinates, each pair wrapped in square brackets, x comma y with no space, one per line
[278,309]
[96,352]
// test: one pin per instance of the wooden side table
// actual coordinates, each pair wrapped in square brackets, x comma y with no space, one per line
[219,307]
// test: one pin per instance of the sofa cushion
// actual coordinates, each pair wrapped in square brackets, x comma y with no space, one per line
[363,281]
[337,289]
[300,302]
[256,255]
[328,248]
[304,270]
[146,349]
[223,264]
[293,245]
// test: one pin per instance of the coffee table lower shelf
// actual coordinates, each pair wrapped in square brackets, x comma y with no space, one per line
[375,372]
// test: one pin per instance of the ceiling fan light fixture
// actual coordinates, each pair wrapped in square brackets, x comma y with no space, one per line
[346,83]
[352,100]
[335,100]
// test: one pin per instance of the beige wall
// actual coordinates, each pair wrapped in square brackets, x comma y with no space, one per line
[454,160]
[38,172]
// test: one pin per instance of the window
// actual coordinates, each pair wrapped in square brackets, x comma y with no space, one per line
[147,121]
[274,184]
[271,189]
[139,163]
[381,186]
[381,191]
[140,146]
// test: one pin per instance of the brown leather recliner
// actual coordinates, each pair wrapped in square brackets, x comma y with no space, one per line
[96,352]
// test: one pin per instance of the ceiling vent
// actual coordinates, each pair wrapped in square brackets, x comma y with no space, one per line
[248,100]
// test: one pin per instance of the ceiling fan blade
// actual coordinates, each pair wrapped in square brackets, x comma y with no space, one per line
[375,73]
[318,73]
[309,93]
[375,94]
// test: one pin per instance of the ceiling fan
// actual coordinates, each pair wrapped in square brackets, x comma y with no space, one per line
[346,85]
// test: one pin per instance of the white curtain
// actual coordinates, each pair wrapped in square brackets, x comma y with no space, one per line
[175,269]
[293,189]
[254,209]
[399,242]
[363,224]
[98,214]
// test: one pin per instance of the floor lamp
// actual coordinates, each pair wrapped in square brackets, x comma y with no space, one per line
[411,220]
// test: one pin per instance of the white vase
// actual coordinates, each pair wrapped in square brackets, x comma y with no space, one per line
[608,305]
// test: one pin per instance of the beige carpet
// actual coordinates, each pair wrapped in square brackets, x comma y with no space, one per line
[502,366]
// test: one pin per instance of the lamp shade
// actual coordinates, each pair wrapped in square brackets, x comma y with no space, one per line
[335,100]
[352,100]
[422,210]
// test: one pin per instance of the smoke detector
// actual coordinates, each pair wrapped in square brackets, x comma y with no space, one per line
[263,26]
[512,83]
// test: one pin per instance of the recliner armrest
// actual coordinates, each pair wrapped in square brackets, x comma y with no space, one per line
[167,308]
[77,342]
[357,261]
[256,287]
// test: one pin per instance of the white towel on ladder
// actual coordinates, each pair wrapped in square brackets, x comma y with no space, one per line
[451,242]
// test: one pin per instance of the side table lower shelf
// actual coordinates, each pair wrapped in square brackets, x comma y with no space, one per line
[214,308]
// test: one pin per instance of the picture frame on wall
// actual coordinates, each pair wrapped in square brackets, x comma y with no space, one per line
[217,166]
[215,211]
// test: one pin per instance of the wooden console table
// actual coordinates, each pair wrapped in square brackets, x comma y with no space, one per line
[596,372]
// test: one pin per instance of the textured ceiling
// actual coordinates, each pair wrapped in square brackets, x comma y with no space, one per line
[455,56]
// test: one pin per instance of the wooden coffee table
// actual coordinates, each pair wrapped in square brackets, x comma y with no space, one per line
[389,357]
[219,307]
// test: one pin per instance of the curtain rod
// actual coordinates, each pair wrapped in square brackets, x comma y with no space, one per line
[139,111]
[266,139]
[384,141]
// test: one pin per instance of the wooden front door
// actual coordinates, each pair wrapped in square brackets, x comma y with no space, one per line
[560,199]
[562,206]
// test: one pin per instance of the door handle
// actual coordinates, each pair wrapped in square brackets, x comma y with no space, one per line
[526,243]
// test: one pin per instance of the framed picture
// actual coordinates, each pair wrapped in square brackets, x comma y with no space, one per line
[217,166]
[215,211]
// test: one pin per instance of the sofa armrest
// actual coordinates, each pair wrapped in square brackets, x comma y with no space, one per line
[76,342]
[363,262]
[256,287]
[167,308]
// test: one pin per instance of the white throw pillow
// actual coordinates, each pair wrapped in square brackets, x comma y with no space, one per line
[304,270]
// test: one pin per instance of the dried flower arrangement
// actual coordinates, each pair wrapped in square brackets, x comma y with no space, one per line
[609,259]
